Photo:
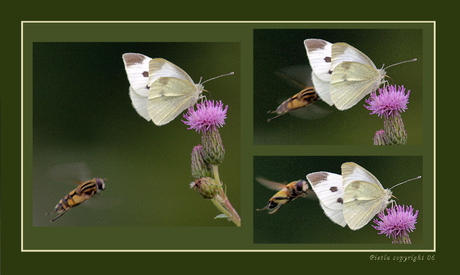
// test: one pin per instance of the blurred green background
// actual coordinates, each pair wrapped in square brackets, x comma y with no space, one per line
[278,50]
[82,113]
[303,221]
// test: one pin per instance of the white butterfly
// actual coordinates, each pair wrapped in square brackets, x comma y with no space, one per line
[328,188]
[160,90]
[343,75]
[352,199]
[363,195]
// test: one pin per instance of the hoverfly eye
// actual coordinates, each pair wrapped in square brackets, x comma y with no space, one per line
[100,184]
[299,185]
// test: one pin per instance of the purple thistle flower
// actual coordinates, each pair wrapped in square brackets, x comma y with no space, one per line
[209,115]
[398,222]
[391,101]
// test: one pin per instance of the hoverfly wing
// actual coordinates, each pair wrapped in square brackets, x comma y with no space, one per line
[274,203]
[71,172]
[313,111]
[285,194]
[271,184]
[296,76]
[299,77]
[276,186]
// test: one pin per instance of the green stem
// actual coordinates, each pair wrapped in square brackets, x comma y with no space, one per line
[221,201]
[215,171]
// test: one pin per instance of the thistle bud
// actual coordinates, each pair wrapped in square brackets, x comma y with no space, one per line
[213,149]
[207,187]
[395,131]
[200,168]
[380,138]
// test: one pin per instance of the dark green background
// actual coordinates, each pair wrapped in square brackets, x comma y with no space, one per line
[305,217]
[117,262]
[282,50]
[82,112]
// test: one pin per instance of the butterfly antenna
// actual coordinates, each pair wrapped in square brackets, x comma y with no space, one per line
[415,59]
[405,181]
[217,77]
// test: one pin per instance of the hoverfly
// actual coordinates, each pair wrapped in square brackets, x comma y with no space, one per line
[84,191]
[303,98]
[285,194]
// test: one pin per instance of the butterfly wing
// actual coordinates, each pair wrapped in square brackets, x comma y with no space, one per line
[159,67]
[319,54]
[322,89]
[364,195]
[137,70]
[354,76]
[139,103]
[351,82]
[343,52]
[328,188]
[169,96]
[362,200]
[171,91]
[354,172]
